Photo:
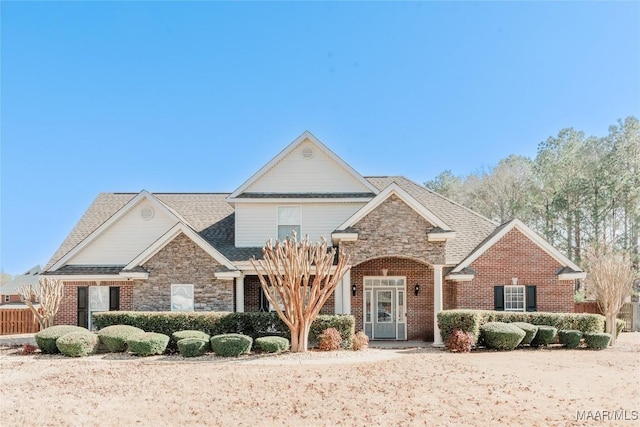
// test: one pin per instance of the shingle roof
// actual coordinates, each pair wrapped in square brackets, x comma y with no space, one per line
[213,218]
[31,277]
[306,195]
[471,228]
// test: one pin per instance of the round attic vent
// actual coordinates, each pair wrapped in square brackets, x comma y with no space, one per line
[307,152]
[147,213]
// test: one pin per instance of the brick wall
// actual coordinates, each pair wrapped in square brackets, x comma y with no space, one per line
[68,313]
[514,256]
[419,308]
[13,298]
[393,229]
[252,297]
[183,262]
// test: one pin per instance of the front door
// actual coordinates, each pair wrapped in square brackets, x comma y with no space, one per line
[384,318]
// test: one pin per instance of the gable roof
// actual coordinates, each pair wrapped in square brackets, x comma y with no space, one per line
[306,135]
[471,228]
[31,277]
[501,231]
[390,190]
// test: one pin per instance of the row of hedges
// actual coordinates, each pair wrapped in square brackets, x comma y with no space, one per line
[471,320]
[254,325]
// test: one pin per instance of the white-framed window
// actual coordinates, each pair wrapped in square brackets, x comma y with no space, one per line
[289,219]
[7,298]
[514,298]
[181,297]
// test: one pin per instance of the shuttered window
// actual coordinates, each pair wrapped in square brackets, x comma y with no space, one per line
[515,298]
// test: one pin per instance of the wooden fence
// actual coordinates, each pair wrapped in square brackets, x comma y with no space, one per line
[630,313]
[18,321]
[586,307]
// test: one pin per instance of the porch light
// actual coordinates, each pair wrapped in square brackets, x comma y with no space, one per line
[353,290]
[417,290]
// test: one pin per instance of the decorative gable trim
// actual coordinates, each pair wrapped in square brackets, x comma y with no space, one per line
[306,135]
[529,233]
[394,189]
[144,194]
[166,238]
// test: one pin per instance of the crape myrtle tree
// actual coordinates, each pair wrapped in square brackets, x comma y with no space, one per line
[49,296]
[610,278]
[298,278]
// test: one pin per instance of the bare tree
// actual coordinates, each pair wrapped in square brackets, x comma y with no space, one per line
[49,296]
[610,277]
[298,278]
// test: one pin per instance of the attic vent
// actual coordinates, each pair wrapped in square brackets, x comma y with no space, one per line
[307,152]
[147,213]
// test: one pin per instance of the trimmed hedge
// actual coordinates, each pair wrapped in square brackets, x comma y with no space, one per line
[78,344]
[181,335]
[115,337]
[272,344]
[597,341]
[501,336]
[544,336]
[46,338]
[529,330]
[148,343]
[253,324]
[569,338]
[193,347]
[471,320]
[231,345]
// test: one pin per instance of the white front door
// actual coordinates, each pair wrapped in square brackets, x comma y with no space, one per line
[384,308]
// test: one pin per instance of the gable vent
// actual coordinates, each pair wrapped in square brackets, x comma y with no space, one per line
[147,213]
[307,152]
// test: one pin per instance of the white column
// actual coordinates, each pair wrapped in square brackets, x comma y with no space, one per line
[437,304]
[240,294]
[346,293]
[337,297]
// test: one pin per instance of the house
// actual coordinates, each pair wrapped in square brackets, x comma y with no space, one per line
[9,297]
[413,252]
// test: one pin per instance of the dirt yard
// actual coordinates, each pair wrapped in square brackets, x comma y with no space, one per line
[421,386]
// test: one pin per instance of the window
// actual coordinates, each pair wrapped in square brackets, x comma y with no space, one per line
[289,220]
[514,298]
[6,298]
[181,297]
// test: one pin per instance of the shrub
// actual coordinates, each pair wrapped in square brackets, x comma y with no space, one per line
[115,337]
[464,320]
[529,330]
[597,340]
[46,339]
[77,344]
[148,343]
[272,344]
[544,336]
[345,324]
[360,341]
[569,338]
[329,340]
[460,341]
[620,324]
[28,349]
[501,336]
[180,335]
[228,345]
[193,347]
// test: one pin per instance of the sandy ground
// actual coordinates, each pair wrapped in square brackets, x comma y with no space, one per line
[421,386]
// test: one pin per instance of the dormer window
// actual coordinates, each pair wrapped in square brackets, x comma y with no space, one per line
[289,220]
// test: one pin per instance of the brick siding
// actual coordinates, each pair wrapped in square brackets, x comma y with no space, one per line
[68,313]
[252,297]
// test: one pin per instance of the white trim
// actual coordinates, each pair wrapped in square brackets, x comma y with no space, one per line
[144,194]
[87,277]
[298,200]
[134,275]
[572,276]
[300,234]
[535,238]
[344,237]
[167,237]
[228,275]
[374,310]
[524,297]
[248,270]
[394,189]
[460,277]
[240,294]
[441,237]
[306,135]
[437,304]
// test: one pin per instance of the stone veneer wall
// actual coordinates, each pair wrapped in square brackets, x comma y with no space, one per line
[515,255]
[419,307]
[394,229]
[183,262]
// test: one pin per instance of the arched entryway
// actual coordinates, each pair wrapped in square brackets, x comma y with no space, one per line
[393,298]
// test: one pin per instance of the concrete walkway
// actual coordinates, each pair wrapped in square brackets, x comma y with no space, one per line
[16,340]
[391,344]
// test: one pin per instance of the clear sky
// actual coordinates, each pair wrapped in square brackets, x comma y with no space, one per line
[197,96]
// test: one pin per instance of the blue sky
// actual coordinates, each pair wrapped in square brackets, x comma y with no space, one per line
[196,96]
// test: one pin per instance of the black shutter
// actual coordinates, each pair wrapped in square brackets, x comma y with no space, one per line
[83,307]
[498,298]
[114,298]
[531,298]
